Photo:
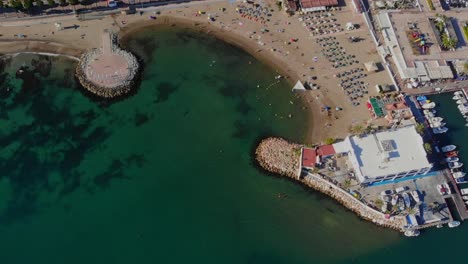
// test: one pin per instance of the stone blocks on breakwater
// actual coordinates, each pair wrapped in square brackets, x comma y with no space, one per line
[109,71]
[282,157]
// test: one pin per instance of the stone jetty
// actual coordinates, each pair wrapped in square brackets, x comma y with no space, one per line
[108,71]
[282,157]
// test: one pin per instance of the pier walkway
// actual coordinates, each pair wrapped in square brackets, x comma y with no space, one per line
[457,196]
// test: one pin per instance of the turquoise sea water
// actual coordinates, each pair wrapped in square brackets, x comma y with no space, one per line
[166,175]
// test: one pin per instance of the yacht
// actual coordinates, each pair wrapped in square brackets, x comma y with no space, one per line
[428,105]
[449,148]
[453,224]
[451,159]
[458,174]
[455,165]
[465,197]
[460,180]
[461,101]
[457,97]
[451,154]
[436,124]
[436,119]
[439,130]
[412,233]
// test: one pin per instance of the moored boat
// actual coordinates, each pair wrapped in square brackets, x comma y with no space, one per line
[460,180]
[412,233]
[449,148]
[458,174]
[461,101]
[455,165]
[439,130]
[451,154]
[451,159]
[453,224]
[465,197]
[428,105]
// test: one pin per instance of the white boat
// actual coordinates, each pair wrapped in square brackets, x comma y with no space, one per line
[437,124]
[429,111]
[447,187]
[464,191]
[460,180]
[439,225]
[465,197]
[457,97]
[415,195]
[448,148]
[439,130]
[458,174]
[453,224]
[412,233]
[436,119]
[451,159]
[461,101]
[394,200]
[455,165]
[428,105]
[406,199]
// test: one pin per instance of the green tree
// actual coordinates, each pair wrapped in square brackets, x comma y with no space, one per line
[73,2]
[465,67]
[63,2]
[39,3]
[27,4]
[378,203]
[329,141]
[2,5]
[448,42]
[51,2]
[356,130]
[16,4]
[420,128]
[428,148]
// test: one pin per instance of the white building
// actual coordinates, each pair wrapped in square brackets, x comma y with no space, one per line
[386,156]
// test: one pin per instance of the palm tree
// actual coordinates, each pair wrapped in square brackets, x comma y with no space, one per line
[428,148]
[448,42]
[420,128]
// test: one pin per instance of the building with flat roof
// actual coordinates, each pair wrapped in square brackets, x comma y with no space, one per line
[386,156]
[316,5]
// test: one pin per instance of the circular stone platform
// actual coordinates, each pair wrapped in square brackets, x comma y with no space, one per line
[109,71]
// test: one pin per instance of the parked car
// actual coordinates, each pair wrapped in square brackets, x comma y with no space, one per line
[387,192]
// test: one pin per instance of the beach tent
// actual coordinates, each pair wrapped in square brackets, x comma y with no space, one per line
[371,66]
[299,87]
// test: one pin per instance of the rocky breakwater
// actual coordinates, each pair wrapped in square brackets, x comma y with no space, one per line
[282,157]
[108,72]
[279,156]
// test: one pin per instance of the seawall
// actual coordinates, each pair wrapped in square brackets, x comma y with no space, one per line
[282,157]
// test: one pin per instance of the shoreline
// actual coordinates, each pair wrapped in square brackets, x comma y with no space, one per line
[280,157]
[246,45]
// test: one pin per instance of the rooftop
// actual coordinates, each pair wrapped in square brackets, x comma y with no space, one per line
[384,153]
[317,3]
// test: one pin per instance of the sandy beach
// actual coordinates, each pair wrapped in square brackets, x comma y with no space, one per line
[283,42]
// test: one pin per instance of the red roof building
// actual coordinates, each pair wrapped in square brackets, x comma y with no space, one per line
[311,156]
[312,5]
